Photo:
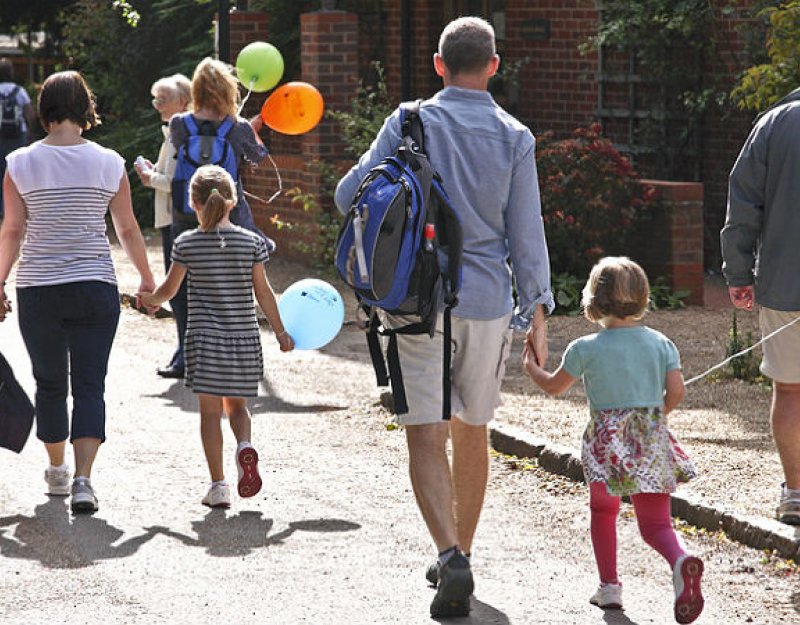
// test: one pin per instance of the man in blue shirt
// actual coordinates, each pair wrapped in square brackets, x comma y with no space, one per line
[486,159]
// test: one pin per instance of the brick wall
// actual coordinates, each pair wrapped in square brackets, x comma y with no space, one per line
[724,134]
[558,91]
[674,248]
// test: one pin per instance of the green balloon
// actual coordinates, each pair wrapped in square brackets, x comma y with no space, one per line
[259,66]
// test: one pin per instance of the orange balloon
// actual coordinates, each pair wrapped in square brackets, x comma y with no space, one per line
[293,108]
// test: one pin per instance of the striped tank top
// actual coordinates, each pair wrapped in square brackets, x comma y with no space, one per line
[66,191]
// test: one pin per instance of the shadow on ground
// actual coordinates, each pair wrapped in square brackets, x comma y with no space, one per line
[59,540]
[238,535]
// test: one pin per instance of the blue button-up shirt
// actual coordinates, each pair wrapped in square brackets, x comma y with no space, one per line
[486,160]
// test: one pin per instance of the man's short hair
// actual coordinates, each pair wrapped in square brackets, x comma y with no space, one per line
[466,45]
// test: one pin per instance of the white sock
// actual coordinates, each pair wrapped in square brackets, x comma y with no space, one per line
[242,445]
[219,483]
[61,467]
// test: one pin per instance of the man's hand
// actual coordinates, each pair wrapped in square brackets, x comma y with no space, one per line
[742,296]
[536,337]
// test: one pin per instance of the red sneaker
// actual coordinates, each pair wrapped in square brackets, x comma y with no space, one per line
[249,479]
[688,598]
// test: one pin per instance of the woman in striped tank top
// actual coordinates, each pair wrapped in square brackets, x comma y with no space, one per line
[225,266]
[57,194]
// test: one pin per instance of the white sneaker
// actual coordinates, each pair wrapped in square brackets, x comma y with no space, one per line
[686,578]
[608,596]
[57,481]
[83,497]
[218,496]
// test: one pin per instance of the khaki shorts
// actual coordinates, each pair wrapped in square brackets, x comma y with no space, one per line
[781,360]
[480,350]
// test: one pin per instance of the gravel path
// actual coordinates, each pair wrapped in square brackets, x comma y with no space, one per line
[335,536]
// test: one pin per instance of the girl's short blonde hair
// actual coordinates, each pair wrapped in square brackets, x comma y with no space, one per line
[617,287]
[178,85]
[213,192]
[215,87]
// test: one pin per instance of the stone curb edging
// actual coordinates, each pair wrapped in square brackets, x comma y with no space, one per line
[756,532]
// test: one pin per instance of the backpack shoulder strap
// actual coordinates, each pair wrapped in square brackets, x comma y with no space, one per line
[190,122]
[225,127]
[411,123]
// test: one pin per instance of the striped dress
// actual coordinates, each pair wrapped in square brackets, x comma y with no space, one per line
[222,344]
[66,190]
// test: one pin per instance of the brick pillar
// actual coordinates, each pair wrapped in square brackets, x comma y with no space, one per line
[674,248]
[329,61]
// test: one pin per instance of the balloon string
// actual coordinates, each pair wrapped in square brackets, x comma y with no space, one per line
[280,184]
[741,353]
[249,91]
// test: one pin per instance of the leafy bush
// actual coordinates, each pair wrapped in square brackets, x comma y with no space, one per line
[566,293]
[593,202]
[744,367]
[663,298]
[763,84]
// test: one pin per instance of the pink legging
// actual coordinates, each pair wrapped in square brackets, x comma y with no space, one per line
[652,515]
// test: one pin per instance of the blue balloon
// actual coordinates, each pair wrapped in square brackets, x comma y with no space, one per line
[312,312]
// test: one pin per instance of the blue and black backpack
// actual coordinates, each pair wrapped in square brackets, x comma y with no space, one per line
[400,249]
[204,145]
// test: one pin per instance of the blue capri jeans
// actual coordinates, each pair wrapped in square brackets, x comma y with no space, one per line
[68,330]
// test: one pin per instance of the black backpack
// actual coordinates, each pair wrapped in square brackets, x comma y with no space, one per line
[400,249]
[10,115]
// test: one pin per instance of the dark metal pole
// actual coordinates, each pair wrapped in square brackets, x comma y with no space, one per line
[224,31]
[405,51]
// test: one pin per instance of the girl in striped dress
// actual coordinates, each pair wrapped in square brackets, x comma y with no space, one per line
[225,266]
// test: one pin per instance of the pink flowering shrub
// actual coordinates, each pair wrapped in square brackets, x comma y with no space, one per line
[593,202]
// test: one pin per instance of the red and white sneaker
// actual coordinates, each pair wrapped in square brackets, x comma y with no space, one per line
[688,598]
[249,479]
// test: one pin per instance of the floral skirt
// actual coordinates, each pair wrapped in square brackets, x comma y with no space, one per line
[632,451]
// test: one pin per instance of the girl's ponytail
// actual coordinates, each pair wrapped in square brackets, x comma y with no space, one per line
[213,193]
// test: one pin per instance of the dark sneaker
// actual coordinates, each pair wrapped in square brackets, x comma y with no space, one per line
[83,497]
[432,574]
[455,585]
[789,507]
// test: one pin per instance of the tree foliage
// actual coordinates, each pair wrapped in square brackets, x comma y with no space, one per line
[765,83]
[122,48]
[33,16]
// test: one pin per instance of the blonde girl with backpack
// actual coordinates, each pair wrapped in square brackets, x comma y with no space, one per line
[223,266]
[215,100]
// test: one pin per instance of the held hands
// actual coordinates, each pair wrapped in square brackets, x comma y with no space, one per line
[742,296]
[536,341]
[285,341]
[145,298]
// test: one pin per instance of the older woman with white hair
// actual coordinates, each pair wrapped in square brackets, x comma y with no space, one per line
[171,95]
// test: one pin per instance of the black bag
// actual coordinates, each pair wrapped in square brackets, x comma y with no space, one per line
[10,116]
[16,410]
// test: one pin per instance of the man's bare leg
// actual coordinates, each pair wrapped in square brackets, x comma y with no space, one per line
[470,476]
[430,478]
